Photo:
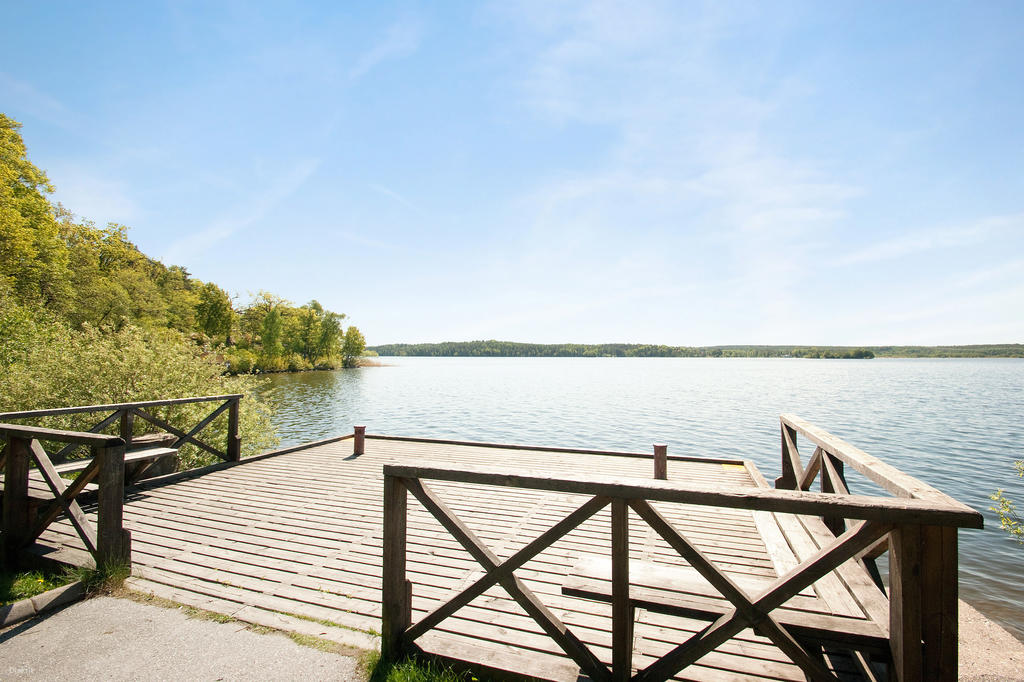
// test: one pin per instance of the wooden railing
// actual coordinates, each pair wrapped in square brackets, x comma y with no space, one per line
[923,590]
[874,518]
[126,413]
[26,517]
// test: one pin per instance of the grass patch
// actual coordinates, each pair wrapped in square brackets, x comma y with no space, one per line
[412,669]
[22,585]
[107,579]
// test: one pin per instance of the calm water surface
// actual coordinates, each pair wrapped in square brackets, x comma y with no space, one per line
[955,424]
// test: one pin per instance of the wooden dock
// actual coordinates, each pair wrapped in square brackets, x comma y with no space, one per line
[295,539]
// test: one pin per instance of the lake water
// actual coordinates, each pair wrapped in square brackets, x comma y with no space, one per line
[955,424]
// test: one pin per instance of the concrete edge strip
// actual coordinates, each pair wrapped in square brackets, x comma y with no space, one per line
[41,603]
[355,640]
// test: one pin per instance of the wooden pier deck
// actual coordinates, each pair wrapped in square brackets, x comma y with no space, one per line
[296,539]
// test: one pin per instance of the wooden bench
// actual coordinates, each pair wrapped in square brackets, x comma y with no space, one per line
[136,463]
[682,591]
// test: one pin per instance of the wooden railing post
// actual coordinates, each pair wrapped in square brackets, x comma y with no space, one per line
[127,426]
[113,542]
[234,445]
[17,513]
[833,481]
[791,471]
[359,440]
[661,462]
[905,634]
[622,611]
[396,596]
[939,617]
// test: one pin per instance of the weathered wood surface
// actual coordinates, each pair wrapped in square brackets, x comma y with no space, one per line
[117,406]
[895,510]
[301,533]
[97,439]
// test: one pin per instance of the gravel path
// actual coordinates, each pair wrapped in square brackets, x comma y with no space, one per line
[119,639]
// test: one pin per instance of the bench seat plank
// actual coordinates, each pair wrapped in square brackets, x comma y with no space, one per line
[681,591]
[145,455]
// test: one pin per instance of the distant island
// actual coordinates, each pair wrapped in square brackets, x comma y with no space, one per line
[638,350]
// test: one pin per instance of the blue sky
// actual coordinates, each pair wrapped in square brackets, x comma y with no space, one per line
[680,173]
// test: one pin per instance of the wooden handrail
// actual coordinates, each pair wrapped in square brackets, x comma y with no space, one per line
[127,413]
[108,542]
[116,406]
[887,476]
[919,526]
[79,437]
[893,510]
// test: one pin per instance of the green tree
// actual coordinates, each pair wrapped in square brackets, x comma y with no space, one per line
[48,364]
[270,334]
[33,261]
[353,347]
[318,332]
[213,313]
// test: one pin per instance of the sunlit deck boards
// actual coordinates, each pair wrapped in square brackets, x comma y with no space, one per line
[300,533]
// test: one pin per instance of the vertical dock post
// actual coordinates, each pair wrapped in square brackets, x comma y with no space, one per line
[234,444]
[113,541]
[661,462]
[359,441]
[622,611]
[127,428]
[396,597]
[17,514]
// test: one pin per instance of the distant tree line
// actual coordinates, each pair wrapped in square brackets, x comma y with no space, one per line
[572,350]
[61,270]
[620,350]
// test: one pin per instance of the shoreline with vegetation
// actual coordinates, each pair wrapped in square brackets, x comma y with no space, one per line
[87,318]
[494,348]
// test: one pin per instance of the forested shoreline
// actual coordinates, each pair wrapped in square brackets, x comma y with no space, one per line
[87,318]
[514,349]
[57,269]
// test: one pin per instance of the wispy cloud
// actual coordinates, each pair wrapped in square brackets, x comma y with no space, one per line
[246,214]
[689,170]
[33,100]
[392,194]
[87,193]
[937,238]
[401,40]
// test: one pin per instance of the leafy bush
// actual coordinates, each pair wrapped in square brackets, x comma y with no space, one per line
[47,364]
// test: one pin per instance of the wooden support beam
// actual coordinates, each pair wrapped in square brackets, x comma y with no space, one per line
[234,447]
[792,470]
[61,502]
[833,481]
[113,541]
[885,510]
[491,578]
[905,603]
[516,589]
[396,604]
[939,607]
[726,627]
[17,514]
[744,611]
[811,472]
[126,427]
[182,436]
[62,454]
[622,610]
